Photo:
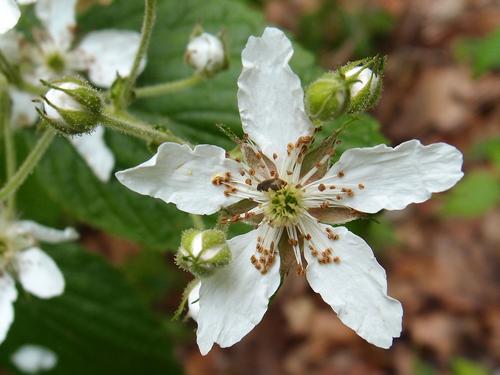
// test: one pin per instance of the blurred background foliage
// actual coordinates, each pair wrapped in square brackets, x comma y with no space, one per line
[442,83]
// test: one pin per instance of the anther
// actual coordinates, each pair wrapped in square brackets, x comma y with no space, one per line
[289,173]
[275,156]
[333,187]
[341,174]
[242,172]
[248,181]
[336,260]
[361,186]
[321,187]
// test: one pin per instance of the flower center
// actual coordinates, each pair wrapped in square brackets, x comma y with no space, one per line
[285,205]
[55,62]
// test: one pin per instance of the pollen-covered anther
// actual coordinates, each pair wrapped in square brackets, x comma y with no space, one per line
[275,156]
[251,172]
[273,173]
[361,186]
[258,155]
[331,235]
[336,259]
[308,237]
[289,173]
[321,187]
[341,174]
[248,181]
[332,187]
[300,270]
[217,180]
[324,205]
[227,176]
[338,197]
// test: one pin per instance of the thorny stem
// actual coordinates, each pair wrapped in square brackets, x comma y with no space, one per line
[147,28]
[10,150]
[128,125]
[28,165]
[168,87]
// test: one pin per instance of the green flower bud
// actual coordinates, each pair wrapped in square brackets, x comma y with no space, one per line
[325,97]
[202,252]
[72,106]
[207,53]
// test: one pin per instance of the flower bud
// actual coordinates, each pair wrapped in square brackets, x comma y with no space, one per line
[207,54]
[202,252]
[364,88]
[325,97]
[72,106]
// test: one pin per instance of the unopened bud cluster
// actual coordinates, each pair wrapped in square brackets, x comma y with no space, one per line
[352,88]
[202,252]
[72,106]
[206,52]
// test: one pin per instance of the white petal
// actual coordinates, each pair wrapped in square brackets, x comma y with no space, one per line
[95,152]
[23,108]
[39,274]
[234,299]
[356,287]
[45,234]
[9,15]
[395,177]
[32,359]
[8,294]
[193,302]
[177,174]
[270,97]
[58,17]
[10,45]
[107,53]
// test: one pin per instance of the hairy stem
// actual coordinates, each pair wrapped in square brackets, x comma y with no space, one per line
[128,125]
[147,28]
[168,87]
[29,164]
[8,137]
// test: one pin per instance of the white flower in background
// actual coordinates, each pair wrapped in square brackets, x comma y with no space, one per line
[289,202]
[103,54]
[206,53]
[22,259]
[10,13]
[33,359]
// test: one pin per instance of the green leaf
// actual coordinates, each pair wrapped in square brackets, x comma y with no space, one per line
[483,54]
[489,150]
[462,366]
[97,327]
[66,179]
[477,193]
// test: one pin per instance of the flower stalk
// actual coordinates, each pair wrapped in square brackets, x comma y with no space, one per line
[168,87]
[146,31]
[29,164]
[10,151]
[128,125]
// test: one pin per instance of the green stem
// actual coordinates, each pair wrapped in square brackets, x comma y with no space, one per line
[28,165]
[10,150]
[131,126]
[197,221]
[147,28]
[168,87]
